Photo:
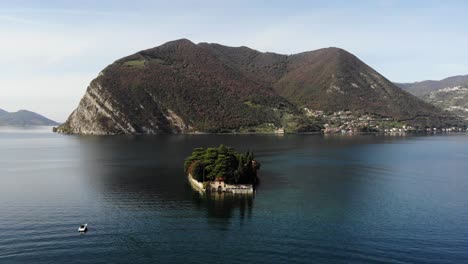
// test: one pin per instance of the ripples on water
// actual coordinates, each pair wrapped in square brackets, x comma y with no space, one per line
[362,199]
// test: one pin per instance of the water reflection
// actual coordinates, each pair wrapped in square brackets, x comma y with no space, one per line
[324,199]
[224,205]
[146,173]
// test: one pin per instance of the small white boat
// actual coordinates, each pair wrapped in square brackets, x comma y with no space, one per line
[83,228]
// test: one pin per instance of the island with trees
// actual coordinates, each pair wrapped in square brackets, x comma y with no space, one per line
[222,169]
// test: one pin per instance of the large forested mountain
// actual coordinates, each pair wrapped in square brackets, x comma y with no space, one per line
[182,87]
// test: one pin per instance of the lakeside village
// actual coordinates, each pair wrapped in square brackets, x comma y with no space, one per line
[222,169]
[348,122]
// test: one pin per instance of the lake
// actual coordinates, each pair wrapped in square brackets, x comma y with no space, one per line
[322,199]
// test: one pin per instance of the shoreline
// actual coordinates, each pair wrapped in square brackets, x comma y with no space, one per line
[283,134]
[196,185]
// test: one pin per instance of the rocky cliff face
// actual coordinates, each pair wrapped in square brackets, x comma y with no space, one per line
[102,114]
[182,87]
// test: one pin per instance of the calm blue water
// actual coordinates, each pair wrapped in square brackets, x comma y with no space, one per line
[336,199]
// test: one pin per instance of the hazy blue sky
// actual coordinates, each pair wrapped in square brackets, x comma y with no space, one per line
[51,50]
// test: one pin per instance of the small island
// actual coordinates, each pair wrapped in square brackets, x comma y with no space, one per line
[222,169]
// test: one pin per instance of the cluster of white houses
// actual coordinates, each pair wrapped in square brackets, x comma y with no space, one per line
[346,122]
[449,129]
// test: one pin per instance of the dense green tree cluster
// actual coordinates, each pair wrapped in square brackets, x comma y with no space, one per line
[209,164]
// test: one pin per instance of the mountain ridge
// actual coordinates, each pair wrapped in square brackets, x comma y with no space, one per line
[424,87]
[24,118]
[450,93]
[183,87]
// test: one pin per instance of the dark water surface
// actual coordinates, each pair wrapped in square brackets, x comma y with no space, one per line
[337,199]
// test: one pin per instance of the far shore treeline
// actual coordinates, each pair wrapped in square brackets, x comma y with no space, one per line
[222,163]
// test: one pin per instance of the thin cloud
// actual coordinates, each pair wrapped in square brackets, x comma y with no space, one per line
[17,20]
[66,11]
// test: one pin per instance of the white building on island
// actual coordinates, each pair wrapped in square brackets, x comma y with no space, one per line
[219,185]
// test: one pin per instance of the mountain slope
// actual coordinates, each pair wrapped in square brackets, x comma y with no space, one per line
[24,118]
[182,87]
[450,94]
[333,80]
[178,87]
[425,87]
[3,112]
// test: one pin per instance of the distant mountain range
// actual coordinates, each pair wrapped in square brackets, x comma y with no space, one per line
[450,94]
[24,118]
[182,87]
